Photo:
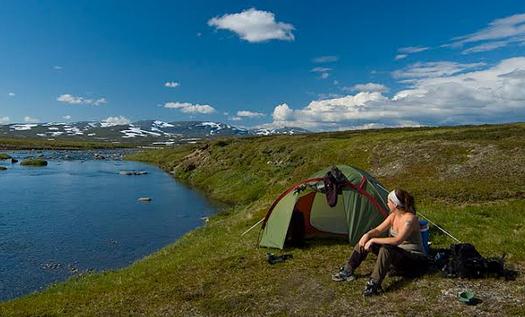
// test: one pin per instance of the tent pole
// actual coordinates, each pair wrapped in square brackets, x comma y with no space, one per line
[251,228]
[443,230]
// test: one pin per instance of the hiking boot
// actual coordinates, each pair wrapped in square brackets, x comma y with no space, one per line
[343,276]
[372,288]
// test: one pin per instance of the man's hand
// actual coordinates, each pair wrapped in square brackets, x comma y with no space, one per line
[369,244]
[364,239]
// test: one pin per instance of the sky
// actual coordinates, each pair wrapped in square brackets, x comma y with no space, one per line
[320,65]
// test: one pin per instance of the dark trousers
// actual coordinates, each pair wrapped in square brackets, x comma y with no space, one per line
[387,256]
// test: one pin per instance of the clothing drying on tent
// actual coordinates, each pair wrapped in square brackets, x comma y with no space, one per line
[359,203]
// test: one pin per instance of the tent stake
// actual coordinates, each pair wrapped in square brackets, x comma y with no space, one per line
[443,230]
[255,225]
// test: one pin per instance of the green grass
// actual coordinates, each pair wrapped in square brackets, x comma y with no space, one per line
[34,162]
[4,156]
[470,180]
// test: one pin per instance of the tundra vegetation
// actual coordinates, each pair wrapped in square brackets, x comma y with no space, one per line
[470,180]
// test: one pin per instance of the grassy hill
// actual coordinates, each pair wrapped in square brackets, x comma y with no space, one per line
[470,180]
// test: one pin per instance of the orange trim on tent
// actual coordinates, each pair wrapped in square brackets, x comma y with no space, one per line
[359,189]
[286,193]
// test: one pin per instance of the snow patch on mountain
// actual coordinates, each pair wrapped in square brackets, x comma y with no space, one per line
[23,127]
[162,124]
[133,132]
[213,125]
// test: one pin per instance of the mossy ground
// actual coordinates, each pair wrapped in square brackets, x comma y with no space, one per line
[33,162]
[470,180]
[4,156]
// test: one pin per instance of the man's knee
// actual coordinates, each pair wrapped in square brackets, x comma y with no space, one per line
[386,250]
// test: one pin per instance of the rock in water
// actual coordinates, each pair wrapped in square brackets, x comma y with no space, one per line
[144,199]
[133,172]
[34,162]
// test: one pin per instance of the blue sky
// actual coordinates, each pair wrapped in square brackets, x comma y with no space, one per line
[321,65]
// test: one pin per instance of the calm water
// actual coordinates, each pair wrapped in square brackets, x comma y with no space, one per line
[74,216]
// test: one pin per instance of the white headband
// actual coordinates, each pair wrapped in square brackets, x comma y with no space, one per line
[393,198]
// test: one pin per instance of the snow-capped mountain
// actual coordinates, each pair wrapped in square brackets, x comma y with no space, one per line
[285,130]
[143,132]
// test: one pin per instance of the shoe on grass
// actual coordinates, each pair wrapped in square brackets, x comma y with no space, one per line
[372,288]
[343,276]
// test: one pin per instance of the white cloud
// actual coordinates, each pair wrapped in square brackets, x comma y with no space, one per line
[249,114]
[74,100]
[254,25]
[499,33]
[489,46]
[282,112]
[66,117]
[420,70]
[57,67]
[412,49]
[321,69]
[28,119]
[371,87]
[187,107]
[489,95]
[236,118]
[11,94]
[324,72]
[4,120]
[330,95]
[405,51]
[171,84]
[325,59]
[113,121]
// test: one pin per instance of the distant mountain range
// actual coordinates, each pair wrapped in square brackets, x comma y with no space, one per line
[154,132]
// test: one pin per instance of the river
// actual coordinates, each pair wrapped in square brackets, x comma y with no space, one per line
[75,216]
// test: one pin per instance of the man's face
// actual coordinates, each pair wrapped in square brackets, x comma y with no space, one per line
[391,205]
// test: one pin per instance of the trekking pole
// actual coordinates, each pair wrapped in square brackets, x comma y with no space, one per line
[255,225]
[443,230]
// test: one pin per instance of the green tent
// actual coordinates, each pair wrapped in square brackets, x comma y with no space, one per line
[361,205]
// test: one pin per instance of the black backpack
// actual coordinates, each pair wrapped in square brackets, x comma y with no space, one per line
[465,261]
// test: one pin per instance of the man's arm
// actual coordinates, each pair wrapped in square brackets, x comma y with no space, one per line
[402,236]
[377,230]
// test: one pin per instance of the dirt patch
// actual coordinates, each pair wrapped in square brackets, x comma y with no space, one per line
[300,294]
[486,160]
[194,160]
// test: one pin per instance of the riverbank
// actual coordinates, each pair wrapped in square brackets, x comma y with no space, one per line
[470,180]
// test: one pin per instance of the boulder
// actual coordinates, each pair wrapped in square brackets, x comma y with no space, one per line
[133,172]
[34,162]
